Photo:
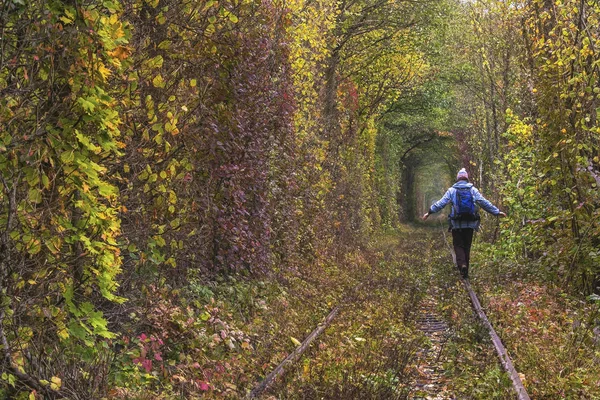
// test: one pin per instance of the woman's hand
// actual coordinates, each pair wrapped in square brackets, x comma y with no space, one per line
[501,214]
[425,216]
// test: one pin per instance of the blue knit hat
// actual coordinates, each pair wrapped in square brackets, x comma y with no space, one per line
[462,174]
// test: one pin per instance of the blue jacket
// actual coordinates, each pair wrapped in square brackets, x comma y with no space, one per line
[450,197]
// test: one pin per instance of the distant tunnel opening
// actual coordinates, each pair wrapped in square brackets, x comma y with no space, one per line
[431,182]
[425,177]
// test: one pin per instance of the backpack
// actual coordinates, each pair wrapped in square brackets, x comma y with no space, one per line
[464,209]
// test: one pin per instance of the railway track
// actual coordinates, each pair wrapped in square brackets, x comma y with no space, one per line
[425,379]
[430,382]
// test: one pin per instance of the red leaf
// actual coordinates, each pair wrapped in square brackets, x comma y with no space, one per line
[147,364]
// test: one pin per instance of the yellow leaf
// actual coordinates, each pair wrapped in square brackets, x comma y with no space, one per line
[55,382]
[295,341]
[158,81]
[66,20]
[306,371]
[105,72]
[63,334]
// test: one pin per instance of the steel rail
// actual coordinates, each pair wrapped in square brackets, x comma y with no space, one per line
[293,356]
[500,349]
[297,353]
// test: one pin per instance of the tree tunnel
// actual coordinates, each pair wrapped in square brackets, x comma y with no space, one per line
[415,142]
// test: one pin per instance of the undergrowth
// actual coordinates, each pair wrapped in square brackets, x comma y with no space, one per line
[553,336]
[218,338]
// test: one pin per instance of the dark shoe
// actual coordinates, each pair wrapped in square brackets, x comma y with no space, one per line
[464,271]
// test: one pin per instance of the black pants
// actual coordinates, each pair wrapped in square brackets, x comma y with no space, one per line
[462,240]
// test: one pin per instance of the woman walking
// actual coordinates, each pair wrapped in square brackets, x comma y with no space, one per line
[464,216]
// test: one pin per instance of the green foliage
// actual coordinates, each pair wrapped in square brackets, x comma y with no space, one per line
[60,206]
